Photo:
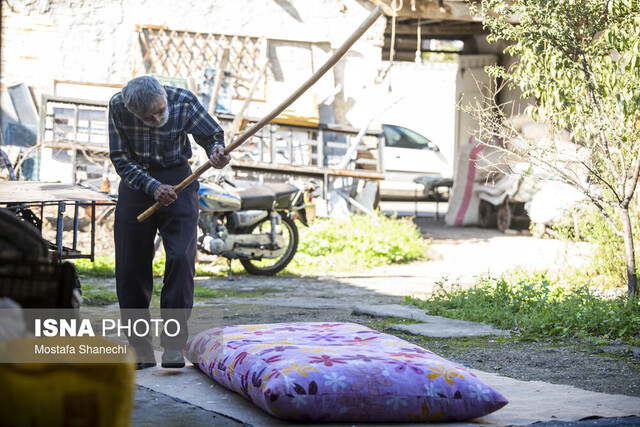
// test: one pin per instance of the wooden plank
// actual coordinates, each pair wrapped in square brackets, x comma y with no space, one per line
[83,114]
[79,101]
[306,170]
[56,82]
[93,148]
[36,192]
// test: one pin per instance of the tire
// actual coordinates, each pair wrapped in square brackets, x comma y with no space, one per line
[269,267]
[487,216]
[504,216]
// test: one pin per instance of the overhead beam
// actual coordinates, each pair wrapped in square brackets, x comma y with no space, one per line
[444,10]
[441,29]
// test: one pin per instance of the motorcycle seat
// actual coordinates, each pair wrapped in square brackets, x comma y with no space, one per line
[257,198]
[284,193]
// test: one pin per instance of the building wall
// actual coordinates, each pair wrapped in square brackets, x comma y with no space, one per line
[95,41]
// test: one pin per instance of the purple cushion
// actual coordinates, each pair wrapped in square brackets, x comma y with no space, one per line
[339,372]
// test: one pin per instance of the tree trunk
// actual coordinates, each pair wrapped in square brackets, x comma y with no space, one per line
[630,257]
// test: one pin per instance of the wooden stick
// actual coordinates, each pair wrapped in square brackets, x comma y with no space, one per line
[375,14]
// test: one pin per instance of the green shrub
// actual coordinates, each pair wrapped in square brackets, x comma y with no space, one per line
[355,243]
[532,304]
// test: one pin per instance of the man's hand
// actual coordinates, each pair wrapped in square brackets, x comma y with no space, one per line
[165,195]
[218,159]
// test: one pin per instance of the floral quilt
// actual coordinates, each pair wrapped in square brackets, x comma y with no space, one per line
[339,372]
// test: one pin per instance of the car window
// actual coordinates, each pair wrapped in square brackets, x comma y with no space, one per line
[401,137]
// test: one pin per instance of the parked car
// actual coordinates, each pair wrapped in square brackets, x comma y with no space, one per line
[410,159]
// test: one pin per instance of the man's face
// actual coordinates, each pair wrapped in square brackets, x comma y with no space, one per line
[157,115]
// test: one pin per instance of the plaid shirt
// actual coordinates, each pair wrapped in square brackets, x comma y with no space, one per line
[135,147]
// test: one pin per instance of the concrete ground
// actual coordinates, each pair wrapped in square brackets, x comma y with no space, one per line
[461,254]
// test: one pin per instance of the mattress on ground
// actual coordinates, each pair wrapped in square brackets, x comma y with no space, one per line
[339,372]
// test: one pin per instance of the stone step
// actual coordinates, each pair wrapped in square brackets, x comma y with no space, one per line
[430,326]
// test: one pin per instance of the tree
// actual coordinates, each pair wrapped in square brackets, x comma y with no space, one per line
[580,61]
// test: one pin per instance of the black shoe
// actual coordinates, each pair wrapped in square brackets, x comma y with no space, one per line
[145,358]
[145,365]
[172,359]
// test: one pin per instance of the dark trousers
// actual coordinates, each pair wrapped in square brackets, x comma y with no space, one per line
[134,246]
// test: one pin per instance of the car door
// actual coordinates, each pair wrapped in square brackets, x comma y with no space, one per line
[408,152]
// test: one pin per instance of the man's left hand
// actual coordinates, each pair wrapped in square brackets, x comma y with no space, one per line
[218,159]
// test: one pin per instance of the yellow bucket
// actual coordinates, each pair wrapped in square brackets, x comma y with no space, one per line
[65,390]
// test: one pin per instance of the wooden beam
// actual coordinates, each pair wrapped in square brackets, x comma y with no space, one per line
[305,170]
[440,29]
[38,192]
[445,10]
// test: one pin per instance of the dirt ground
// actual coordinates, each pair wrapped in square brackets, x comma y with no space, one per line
[460,255]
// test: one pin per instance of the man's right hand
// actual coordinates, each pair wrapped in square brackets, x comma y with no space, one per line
[165,195]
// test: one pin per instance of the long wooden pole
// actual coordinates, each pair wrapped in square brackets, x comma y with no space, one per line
[375,14]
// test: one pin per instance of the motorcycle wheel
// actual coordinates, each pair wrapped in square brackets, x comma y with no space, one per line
[271,266]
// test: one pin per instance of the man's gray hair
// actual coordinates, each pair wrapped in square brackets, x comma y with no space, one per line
[140,93]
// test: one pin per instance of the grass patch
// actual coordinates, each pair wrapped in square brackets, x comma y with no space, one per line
[357,243]
[98,295]
[201,292]
[329,245]
[218,268]
[533,305]
[103,266]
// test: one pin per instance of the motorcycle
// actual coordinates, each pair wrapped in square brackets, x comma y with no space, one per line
[255,225]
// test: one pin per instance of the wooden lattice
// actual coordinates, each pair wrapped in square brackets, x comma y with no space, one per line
[180,53]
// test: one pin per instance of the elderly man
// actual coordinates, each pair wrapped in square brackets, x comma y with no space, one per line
[149,148]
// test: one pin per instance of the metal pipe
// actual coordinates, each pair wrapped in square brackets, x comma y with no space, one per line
[61,209]
[93,229]
[75,226]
